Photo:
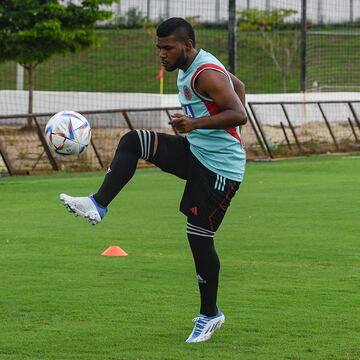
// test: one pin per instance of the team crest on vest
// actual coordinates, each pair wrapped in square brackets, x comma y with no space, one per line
[187,93]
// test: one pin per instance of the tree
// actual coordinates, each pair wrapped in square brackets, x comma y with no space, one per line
[31,31]
[279,44]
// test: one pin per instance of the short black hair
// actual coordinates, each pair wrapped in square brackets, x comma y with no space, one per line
[178,27]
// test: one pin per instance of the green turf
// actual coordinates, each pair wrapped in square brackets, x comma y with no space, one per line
[126,60]
[290,252]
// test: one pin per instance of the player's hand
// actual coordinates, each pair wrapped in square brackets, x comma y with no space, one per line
[182,123]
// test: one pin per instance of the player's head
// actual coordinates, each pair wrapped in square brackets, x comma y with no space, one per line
[175,40]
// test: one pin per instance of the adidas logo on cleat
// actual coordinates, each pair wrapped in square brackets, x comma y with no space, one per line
[205,327]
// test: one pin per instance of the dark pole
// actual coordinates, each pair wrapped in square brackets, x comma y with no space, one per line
[232,36]
[267,5]
[354,114]
[291,128]
[167,9]
[328,126]
[303,46]
[258,137]
[353,130]
[285,134]
[320,12]
[261,131]
[49,154]
[6,159]
[148,9]
[217,11]
[97,153]
[169,116]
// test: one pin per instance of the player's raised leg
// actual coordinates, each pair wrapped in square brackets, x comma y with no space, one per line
[133,145]
[165,151]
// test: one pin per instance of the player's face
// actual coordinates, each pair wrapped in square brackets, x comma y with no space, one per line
[172,52]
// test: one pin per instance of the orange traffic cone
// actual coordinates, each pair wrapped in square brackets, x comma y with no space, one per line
[114,251]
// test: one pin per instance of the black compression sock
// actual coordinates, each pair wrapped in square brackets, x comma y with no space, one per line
[207,267]
[133,145]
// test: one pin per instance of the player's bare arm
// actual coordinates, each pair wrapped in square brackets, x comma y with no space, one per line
[239,88]
[216,86]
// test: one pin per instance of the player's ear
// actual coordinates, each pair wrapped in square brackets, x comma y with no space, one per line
[189,44]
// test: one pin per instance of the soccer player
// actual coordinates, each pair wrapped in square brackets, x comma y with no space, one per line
[211,158]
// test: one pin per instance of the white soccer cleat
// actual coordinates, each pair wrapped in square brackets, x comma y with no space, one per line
[205,326]
[86,207]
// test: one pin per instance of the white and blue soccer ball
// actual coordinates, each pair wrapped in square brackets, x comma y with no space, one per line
[68,133]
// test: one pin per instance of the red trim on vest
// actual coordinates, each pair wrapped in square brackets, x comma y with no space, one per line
[203,67]
[213,109]
[233,132]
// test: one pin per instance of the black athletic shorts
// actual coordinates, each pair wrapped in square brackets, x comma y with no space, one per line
[207,195]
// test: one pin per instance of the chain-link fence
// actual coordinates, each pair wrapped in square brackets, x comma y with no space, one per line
[268,58]
[279,46]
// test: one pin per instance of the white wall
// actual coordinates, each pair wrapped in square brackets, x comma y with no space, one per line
[15,102]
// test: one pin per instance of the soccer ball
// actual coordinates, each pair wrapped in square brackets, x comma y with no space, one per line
[68,133]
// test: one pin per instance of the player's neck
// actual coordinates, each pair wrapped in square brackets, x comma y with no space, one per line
[190,59]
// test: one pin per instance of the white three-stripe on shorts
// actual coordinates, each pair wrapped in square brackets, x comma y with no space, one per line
[220,183]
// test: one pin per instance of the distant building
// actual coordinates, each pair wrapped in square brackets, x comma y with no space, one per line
[319,11]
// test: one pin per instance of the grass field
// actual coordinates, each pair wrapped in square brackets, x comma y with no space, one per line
[126,61]
[290,253]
